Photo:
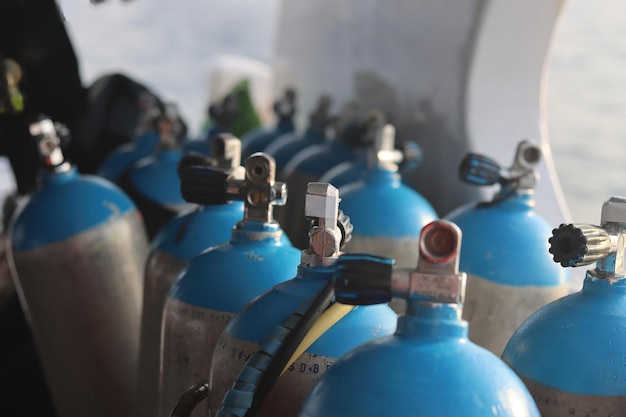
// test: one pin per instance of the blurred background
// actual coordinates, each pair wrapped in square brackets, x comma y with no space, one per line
[170,48]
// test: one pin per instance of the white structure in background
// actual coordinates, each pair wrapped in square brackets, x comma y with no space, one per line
[225,71]
[457,76]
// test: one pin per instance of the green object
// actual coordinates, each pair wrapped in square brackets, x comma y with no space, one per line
[246,118]
[11,100]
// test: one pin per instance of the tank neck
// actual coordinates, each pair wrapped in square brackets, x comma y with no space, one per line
[595,285]
[169,155]
[285,124]
[378,175]
[432,320]
[249,231]
[50,177]
[518,196]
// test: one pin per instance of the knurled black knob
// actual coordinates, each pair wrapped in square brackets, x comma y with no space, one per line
[194,159]
[363,279]
[575,245]
[343,221]
[204,185]
[479,170]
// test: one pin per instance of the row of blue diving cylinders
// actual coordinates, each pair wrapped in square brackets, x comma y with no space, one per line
[194,283]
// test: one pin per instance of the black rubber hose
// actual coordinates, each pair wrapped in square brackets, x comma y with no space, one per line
[190,398]
[258,377]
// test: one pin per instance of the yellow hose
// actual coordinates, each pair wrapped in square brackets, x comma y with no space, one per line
[324,322]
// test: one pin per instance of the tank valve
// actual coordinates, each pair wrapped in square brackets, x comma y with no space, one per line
[285,107]
[257,188]
[170,127]
[574,245]
[225,155]
[330,227]
[49,145]
[379,138]
[367,279]
[320,118]
[481,170]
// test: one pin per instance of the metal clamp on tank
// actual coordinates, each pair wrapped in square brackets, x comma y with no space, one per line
[330,227]
[49,145]
[366,279]
[582,244]
[522,175]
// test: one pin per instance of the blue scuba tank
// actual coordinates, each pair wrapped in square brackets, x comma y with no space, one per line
[428,368]
[243,335]
[288,145]
[221,280]
[125,155]
[505,250]
[76,253]
[177,242]
[388,215]
[259,139]
[143,144]
[153,183]
[570,353]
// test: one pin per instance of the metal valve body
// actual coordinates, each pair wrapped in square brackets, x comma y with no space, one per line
[570,353]
[250,327]
[510,273]
[220,281]
[309,165]
[428,367]
[77,250]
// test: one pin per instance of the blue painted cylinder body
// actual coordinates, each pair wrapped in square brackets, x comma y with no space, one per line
[154,186]
[181,239]
[77,252]
[387,216]
[124,156]
[571,352]
[510,272]
[288,145]
[252,325]
[427,368]
[259,139]
[210,290]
